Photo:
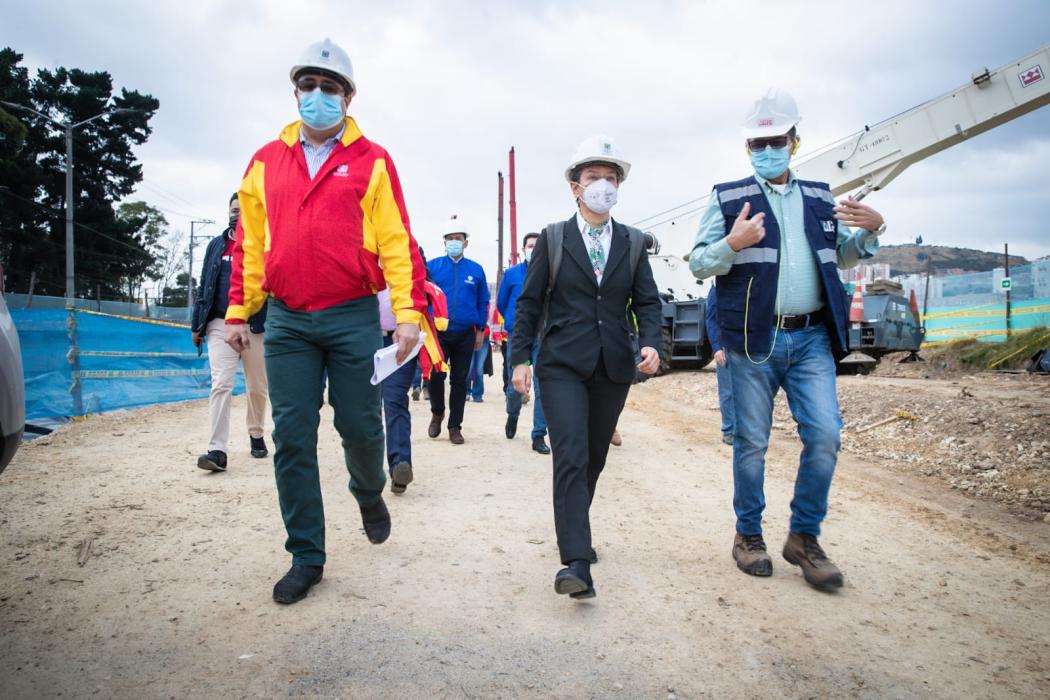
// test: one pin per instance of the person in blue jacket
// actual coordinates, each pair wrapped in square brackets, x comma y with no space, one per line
[463,282]
[725,379]
[509,289]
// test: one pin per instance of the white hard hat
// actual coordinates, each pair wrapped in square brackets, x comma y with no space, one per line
[456,225]
[325,56]
[598,149]
[774,114]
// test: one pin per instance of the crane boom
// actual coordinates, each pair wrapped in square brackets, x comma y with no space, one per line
[879,153]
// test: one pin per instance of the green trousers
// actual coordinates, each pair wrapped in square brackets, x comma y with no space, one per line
[300,346]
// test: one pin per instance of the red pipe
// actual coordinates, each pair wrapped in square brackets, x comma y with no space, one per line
[513,215]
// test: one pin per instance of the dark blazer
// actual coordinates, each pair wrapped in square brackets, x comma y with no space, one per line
[586,321]
[210,271]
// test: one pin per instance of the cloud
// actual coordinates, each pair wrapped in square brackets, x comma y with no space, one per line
[449,87]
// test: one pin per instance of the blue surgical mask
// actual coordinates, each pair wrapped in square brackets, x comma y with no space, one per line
[320,111]
[771,162]
[454,248]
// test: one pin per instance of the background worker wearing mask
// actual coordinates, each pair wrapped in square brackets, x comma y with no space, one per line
[722,375]
[775,244]
[467,292]
[209,321]
[587,355]
[325,200]
[506,299]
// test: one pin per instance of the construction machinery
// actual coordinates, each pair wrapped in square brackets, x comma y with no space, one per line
[882,321]
[684,343]
[870,159]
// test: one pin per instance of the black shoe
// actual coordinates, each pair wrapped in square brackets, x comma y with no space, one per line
[575,580]
[538,445]
[376,519]
[214,461]
[296,583]
[594,556]
[512,427]
[415,394]
[400,477]
[259,448]
[727,438]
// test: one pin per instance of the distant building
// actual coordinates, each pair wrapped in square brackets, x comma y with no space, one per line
[865,274]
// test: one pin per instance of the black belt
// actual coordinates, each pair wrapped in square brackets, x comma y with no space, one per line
[789,322]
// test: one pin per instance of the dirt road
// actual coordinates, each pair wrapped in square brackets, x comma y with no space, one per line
[946,596]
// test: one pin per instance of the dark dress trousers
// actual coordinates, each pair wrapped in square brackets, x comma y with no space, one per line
[585,364]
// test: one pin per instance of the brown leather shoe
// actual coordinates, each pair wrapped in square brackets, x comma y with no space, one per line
[456,436]
[435,424]
[803,550]
[750,554]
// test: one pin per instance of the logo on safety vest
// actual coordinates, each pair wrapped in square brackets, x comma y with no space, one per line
[342,171]
[1031,75]
[829,226]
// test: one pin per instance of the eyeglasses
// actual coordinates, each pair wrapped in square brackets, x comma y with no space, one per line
[772,142]
[328,87]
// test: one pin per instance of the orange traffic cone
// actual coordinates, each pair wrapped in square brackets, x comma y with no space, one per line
[856,307]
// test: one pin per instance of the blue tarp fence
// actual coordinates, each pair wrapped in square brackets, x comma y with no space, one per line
[78,362]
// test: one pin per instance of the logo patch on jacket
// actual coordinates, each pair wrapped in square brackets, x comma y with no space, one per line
[829,226]
[342,171]
[469,279]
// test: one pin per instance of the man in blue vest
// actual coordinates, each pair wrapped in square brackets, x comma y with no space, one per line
[506,299]
[775,244]
[464,285]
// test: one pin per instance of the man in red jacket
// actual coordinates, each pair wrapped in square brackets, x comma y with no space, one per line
[323,228]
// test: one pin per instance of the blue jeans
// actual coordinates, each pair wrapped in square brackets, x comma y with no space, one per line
[396,414]
[801,364]
[476,376]
[539,422]
[725,397]
[417,379]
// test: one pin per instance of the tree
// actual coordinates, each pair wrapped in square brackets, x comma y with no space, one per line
[110,251]
[150,228]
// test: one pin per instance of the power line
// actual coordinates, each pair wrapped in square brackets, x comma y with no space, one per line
[668,211]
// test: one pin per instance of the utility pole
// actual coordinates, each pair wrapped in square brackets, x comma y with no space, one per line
[1006,265]
[68,128]
[513,214]
[189,276]
[499,219]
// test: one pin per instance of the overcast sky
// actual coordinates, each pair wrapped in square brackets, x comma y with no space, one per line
[449,87]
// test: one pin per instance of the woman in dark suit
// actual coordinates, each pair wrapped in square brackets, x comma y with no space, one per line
[588,350]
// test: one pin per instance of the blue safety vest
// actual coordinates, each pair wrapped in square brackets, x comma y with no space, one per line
[750,287]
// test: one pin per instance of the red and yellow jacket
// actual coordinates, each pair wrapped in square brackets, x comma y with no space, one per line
[316,243]
[433,359]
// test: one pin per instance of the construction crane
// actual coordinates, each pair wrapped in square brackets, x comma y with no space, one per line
[869,159]
[872,158]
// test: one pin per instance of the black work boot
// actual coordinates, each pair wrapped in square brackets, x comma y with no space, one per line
[259,448]
[376,519]
[540,445]
[214,461]
[750,554]
[803,550]
[295,584]
[511,429]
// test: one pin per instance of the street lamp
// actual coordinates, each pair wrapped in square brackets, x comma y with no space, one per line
[189,276]
[68,128]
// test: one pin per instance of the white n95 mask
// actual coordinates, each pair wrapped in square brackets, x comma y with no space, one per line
[600,196]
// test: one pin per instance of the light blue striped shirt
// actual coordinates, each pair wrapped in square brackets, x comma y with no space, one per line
[798,285]
[317,155]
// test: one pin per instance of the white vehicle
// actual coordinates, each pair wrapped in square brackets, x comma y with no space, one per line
[12,385]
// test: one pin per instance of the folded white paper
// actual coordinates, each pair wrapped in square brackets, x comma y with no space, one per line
[386,360]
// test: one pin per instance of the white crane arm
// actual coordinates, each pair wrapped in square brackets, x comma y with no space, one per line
[878,154]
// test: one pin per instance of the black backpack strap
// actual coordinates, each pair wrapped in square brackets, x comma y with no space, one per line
[555,250]
[637,239]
